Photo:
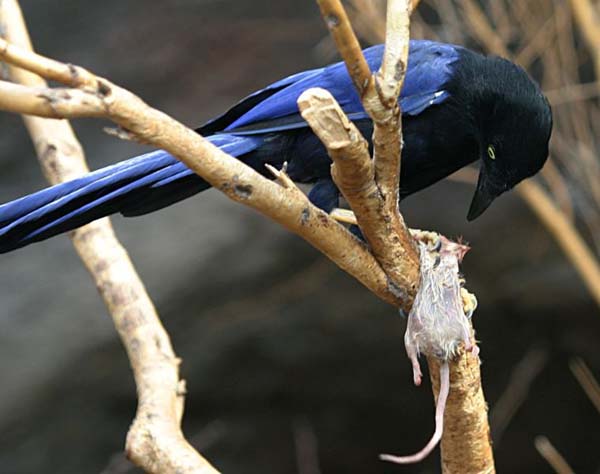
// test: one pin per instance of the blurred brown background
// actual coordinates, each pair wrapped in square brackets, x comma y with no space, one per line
[292,366]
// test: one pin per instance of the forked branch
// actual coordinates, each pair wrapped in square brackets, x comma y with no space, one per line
[373,193]
[371,188]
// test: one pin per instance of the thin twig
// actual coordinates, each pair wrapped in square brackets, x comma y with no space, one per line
[395,56]
[347,43]
[387,132]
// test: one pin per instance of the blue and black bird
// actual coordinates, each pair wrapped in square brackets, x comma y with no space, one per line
[458,107]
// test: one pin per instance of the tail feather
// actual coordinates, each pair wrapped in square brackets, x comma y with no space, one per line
[164,193]
[13,210]
[182,182]
[133,187]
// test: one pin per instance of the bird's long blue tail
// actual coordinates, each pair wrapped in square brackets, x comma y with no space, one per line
[133,187]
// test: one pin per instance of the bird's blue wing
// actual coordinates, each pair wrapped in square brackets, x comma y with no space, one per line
[250,102]
[429,70]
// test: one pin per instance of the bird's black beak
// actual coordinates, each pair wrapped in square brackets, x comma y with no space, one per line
[484,195]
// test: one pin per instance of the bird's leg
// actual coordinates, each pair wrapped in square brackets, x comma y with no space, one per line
[325,195]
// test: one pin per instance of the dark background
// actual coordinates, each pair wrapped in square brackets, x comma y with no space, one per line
[292,366]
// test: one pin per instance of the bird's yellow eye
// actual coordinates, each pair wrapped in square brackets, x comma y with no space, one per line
[491,152]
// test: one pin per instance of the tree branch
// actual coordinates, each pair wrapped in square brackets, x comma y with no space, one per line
[376,202]
[155,441]
[371,188]
[387,117]
[466,446]
[353,173]
[347,44]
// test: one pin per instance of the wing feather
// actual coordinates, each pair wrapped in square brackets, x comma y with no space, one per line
[275,109]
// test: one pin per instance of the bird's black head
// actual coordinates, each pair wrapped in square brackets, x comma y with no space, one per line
[513,121]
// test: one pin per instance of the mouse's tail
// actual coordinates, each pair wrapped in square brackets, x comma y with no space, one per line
[133,187]
[439,422]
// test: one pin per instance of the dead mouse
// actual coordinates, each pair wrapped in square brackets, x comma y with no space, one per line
[437,325]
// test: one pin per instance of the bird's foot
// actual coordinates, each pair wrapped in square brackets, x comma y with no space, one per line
[345,216]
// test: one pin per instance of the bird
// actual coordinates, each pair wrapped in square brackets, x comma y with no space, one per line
[458,106]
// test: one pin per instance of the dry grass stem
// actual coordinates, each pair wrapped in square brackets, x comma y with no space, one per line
[573,93]
[565,234]
[588,17]
[586,379]
[516,391]
[552,456]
